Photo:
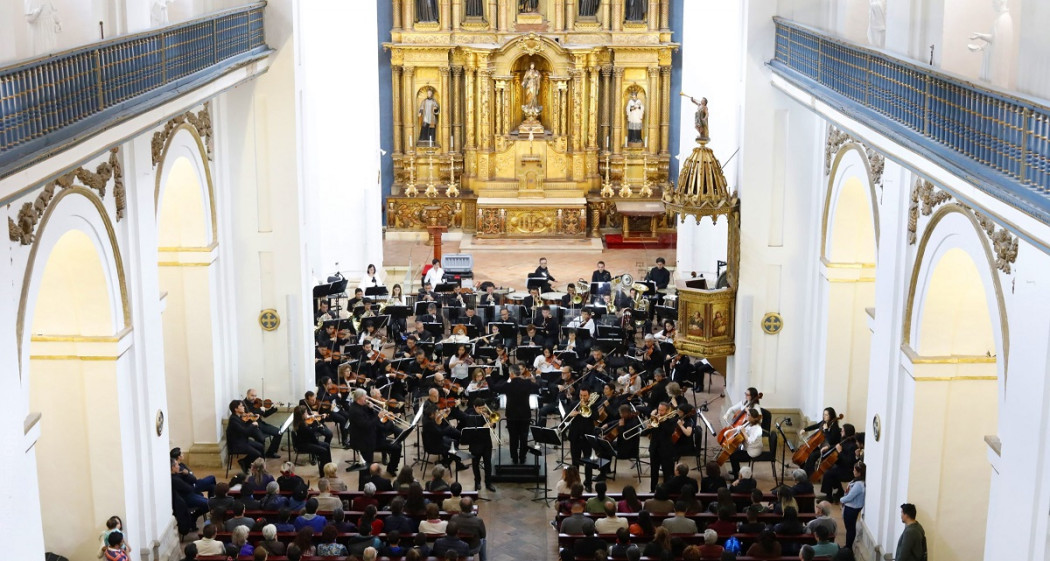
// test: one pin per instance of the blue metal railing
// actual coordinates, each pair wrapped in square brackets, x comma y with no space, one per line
[41,97]
[999,139]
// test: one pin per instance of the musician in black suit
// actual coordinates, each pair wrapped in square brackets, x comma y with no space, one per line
[545,273]
[482,450]
[505,317]
[364,433]
[265,428]
[518,413]
[431,316]
[582,420]
[329,392]
[316,407]
[239,436]
[305,438]
[600,274]
[439,435]
[661,449]
[651,355]
[548,328]
[421,334]
[471,318]
[489,297]
[558,390]
[658,274]
[570,293]
[530,304]
[532,337]
[426,293]
[596,365]
[408,350]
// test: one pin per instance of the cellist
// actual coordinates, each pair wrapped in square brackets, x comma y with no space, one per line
[842,470]
[829,428]
[752,445]
[751,397]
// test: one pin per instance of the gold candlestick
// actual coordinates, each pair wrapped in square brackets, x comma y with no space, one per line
[625,187]
[453,190]
[647,190]
[410,190]
[607,189]
[431,190]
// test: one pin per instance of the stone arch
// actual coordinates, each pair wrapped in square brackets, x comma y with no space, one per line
[185,142]
[850,161]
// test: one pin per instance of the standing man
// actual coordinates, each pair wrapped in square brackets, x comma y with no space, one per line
[428,118]
[548,328]
[600,274]
[518,413]
[267,429]
[659,274]
[911,546]
[545,273]
[482,451]
[661,448]
[435,274]
[580,426]
[364,433]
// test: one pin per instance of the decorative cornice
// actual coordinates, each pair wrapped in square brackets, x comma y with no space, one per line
[924,192]
[201,121]
[1004,245]
[837,138]
[23,230]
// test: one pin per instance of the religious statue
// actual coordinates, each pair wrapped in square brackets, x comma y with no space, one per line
[634,10]
[43,19]
[588,8]
[997,66]
[528,6]
[475,8]
[877,22]
[635,116]
[426,10]
[428,117]
[530,87]
[700,119]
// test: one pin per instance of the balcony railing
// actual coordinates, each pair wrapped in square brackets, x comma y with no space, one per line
[999,140]
[46,101]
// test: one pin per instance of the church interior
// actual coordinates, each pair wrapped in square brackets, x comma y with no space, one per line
[512,275]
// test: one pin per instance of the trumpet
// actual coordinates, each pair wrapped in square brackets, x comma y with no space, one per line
[652,423]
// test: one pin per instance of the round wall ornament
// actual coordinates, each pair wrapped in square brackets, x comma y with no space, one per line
[772,323]
[160,422]
[876,427]
[269,320]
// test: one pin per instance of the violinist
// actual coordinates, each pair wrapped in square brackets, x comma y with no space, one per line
[681,370]
[751,399]
[546,362]
[460,363]
[624,421]
[559,391]
[314,408]
[657,393]
[421,369]
[630,382]
[369,334]
[478,383]
[305,434]
[848,453]
[610,407]
[395,382]
[829,427]
[684,443]
[584,322]
[265,428]
[374,359]
[242,436]
[651,355]
[752,446]
[595,364]
[440,398]
[667,334]
[548,328]
[329,392]
[408,350]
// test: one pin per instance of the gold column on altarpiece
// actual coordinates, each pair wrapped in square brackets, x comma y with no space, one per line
[395,103]
[665,15]
[446,105]
[606,104]
[445,10]
[470,97]
[457,108]
[397,14]
[617,108]
[409,105]
[577,108]
[665,113]
[617,15]
[408,18]
[457,14]
[654,102]
[593,107]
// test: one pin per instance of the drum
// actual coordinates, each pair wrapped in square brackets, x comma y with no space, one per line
[503,291]
[516,297]
[553,298]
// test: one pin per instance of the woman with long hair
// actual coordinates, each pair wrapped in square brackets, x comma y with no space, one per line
[304,540]
[853,502]
[643,525]
[415,503]
[569,477]
[405,478]
[829,427]
[307,438]
[629,501]
[660,547]
[258,478]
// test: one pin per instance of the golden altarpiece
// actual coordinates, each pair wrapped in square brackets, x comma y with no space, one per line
[549,114]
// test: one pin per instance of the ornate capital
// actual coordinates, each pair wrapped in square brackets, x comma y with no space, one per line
[457,71]
[665,70]
[444,70]
[654,71]
[618,72]
[409,71]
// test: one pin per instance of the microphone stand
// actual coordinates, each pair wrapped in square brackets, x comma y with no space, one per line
[783,453]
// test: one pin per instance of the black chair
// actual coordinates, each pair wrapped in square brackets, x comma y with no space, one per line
[295,450]
[769,453]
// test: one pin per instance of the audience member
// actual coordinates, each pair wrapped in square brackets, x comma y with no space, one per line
[576,522]
[341,523]
[643,525]
[273,500]
[470,524]
[415,502]
[288,480]
[270,541]
[661,502]
[239,540]
[825,547]
[767,546]
[335,484]
[752,525]
[586,546]
[114,550]
[207,544]
[396,521]
[679,524]
[311,518]
[304,541]
[326,502]
[433,524]
[437,481]
[596,504]
[911,546]
[392,548]
[711,549]
[660,547]
[610,523]
[724,525]
[629,502]
[284,521]
[680,479]
[360,503]
[623,542]
[451,504]
[823,511]
[257,478]
[451,542]
[744,483]
[220,499]
[802,484]
[725,499]
[239,519]
[329,547]
[712,480]
[405,477]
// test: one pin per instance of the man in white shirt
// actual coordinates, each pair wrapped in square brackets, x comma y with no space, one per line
[208,545]
[325,501]
[611,522]
[752,446]
[435,274]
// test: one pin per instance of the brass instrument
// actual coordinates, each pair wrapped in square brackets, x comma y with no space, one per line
[577,300]
[621,281]
[380,407]
[582,283]
[492,419]
[585,408]
[652,423]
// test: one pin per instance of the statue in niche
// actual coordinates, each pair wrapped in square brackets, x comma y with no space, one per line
[43,20]
[530,88]
[877,22]
[635,117]
[426,11]
[475,8]
[428,118]
[158,13]
[634,10]
[588,8]
[996,67]
[528,6]
[700,118]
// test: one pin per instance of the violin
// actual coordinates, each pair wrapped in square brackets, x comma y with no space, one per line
[338,389]
[740,419]
[249,417]
[644,389]
[397,374]
[649,353]
[447,403]
[263,403]
[452,388]
[811,445]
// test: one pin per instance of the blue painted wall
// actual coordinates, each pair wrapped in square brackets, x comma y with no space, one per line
[675,21]
[385,21]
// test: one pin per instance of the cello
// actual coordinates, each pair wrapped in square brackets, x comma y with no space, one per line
[828,459]
[740,419]
[811,445]
[730,444]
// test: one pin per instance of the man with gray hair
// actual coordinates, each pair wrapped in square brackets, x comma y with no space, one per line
[270,542]
[365,434]
[369,554]
[823,511]
[326,502]
[802,484]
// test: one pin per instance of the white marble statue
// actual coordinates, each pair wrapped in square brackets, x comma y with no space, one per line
[997,66]
[44,24]
[158,13]
[877,23]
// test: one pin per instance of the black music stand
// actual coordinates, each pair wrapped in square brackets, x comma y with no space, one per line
[603,453]
[537,282]
[600,289]
[666,312]
[327,289]
[527,354]
[422,305]
[446,287]
[783,452]
[596,311]
[434,328]
[544,437]
[376,293]
[710,430]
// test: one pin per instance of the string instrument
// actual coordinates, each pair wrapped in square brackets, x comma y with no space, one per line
[827,459]
[649,352]
[642,390]
[612,432]
[740,419]
[452,387]
[553,361]
[446,403]
[330,354]
[249,417]
[314,418]
[599,365]
[263,403]
[400,375]
[372,358]
[678,434]
[812,444]
[335,389]
[730,444]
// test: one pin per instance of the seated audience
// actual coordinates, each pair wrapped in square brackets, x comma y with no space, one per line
[660,547]
[679,524]
[269,541]
[576,523]
[451,542]
[433,524]
[629,502]
[437,481]
[304,542]
[335,484]
[329,547]
[273,500]
[767,546]
[712,480]
[610,523]
[311,518]
[724,525]
[660,503]
[239,519]
[596,504]
[396,521]
[824,547]
[362,502]
[207,544]
[643,525]
[744,483]
[326,502]
[752,525]
[451,504]
[710,549]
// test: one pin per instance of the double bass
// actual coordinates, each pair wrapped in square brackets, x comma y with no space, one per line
[812,444]
[740,419]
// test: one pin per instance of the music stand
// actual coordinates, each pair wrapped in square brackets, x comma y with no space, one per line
[330,288]
[376,293]
[537,282]
[422,305]
[783,452]
[600,289]
[527,354]
[666,312]
[284,429]
[434,328]
[710,430]
[602,450]
[446,287]
[544,437]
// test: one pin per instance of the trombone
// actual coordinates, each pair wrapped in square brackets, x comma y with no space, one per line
[584,410]
[380,407]
[492,419]
[653,422]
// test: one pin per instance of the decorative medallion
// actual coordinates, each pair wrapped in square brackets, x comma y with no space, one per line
[876,427]
[160,422]
[772,323]
[269,320]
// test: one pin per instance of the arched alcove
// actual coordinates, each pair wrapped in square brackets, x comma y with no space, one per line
[954,359]
[187,274]
[847,288]
[73,319]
